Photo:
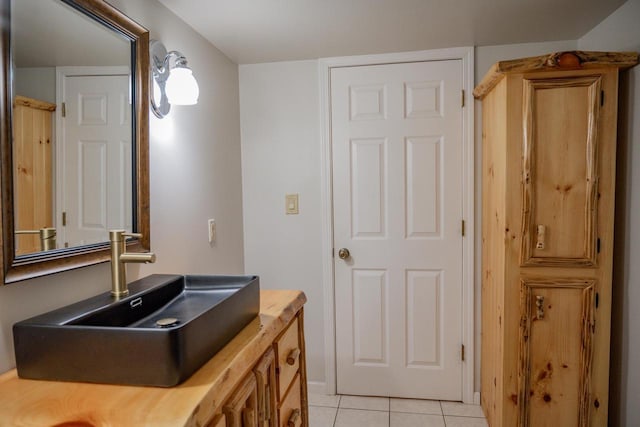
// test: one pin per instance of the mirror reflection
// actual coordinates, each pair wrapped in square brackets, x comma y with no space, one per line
[72,127]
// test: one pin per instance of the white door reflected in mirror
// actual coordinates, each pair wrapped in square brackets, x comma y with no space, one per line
[94,179]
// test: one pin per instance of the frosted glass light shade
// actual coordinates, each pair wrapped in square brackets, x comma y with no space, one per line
[182,87]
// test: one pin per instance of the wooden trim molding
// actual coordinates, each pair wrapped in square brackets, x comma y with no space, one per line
[33,103]
[559,61]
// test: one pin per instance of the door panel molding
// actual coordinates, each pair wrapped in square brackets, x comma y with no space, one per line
[466,55]
[531,380]
[567,193]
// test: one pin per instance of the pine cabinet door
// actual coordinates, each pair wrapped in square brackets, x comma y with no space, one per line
[560,170]
[556,352]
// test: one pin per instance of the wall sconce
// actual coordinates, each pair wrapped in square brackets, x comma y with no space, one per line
[173,82]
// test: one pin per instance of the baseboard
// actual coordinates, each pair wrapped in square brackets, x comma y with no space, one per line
[316,387]
[476,398]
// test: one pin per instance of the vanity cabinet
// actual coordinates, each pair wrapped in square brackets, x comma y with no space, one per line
[548,171]
[239,386]
[272,394]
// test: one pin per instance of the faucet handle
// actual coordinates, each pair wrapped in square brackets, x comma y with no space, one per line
[120,235]
[136,235]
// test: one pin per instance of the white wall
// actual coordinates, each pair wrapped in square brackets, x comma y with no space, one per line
[281,155]
[621,32]
[195,175]
[37,83]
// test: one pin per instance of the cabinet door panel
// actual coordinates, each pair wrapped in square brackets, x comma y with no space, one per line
[560,171]
[265,372]
[555,352]
[242,408]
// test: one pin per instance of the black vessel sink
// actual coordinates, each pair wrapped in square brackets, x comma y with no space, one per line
[160,334]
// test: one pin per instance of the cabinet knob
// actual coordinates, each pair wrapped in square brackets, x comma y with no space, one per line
[539,306]
[293,356]
[293,418]
[541,232]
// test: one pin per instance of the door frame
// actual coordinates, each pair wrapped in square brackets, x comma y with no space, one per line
[466,55]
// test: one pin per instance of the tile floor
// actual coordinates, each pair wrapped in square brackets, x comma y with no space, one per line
[358,411]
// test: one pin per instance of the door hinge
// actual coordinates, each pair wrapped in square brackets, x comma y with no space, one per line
[597,299]
[64,219]
[598,245]
[333,252]
[462,352]
[462,98]
[462,228]
[601,97]
[64,109]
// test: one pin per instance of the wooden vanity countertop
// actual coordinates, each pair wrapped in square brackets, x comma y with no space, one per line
[193,403]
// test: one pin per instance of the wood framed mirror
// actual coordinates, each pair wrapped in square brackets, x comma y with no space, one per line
[26,264]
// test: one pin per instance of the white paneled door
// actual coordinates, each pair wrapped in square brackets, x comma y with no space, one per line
[396,133]
[96,175]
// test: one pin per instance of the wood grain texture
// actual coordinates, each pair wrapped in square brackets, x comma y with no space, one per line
[241,409]
[304,402]
[560,177]
[556,349]
[33,103]
[265,372]
[554,62]
[290,411]
[195,402]
[32,156]
[494,149]
[219,420]
[32,265]
[579,395]
[286,344]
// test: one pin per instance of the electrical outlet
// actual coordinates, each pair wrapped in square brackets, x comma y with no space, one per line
[212,230]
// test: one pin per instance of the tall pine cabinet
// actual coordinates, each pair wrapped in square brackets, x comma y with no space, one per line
[33,171]
[548,172]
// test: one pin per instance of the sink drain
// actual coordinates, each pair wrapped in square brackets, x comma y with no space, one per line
[166,322]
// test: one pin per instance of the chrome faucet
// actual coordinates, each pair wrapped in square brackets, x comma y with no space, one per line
[119,257]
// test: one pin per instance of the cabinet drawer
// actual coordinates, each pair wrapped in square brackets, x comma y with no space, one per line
[288,357]
[291,409]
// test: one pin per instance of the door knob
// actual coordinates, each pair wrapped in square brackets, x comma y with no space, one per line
[344,253]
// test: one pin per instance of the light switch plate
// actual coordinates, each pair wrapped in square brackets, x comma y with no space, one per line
[291,204]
